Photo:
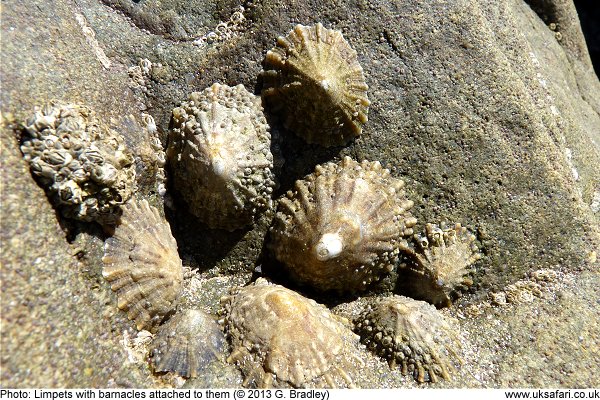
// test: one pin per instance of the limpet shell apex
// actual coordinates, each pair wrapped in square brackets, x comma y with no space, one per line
[187,343]
[142,264]
[413,335]
[313,76]
[220,156]
[279,336]
[343,226]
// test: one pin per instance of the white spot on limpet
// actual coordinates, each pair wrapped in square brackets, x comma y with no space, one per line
[330,246]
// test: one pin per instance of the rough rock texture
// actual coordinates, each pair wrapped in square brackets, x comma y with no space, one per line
[491,117]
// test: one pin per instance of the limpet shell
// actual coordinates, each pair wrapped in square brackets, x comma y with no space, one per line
[313,76]
[279,336]
[142,264]
[187,343]
[84,166]
[438,268]
[220,156]
[411,334]
[343,226]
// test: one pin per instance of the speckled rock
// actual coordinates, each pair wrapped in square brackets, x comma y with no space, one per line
[489,116]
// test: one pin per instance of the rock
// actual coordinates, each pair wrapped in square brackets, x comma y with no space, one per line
[490,118]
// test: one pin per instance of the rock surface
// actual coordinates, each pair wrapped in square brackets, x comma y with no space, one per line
[490,116]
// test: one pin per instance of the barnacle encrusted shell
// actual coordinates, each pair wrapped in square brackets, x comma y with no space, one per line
[84,166]
[220,156]
[187,343]
[142,264]
[343,226]
[411,334]
[439,265]
[279,336]
[313,76]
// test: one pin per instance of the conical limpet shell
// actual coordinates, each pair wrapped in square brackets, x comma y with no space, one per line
[438,268]
[411,334]
[314,76]
[279,336]
[343,226]
[220,156]
[142,264]
[187,343]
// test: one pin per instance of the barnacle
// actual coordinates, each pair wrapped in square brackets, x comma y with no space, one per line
[279,336]
[313,76]
[142,264]
[343,226]
[84,166]
[220,156]
[411,334]
[438,266]
[187,343]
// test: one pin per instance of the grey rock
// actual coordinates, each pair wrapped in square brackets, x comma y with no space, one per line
[491,118]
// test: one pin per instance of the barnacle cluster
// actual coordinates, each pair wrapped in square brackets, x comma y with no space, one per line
[139,74]
[342,226]
[152,157]
[224,30]
[438,267]
[279,336]
[537,284]
[220,156]
[412,335]
[85,167]
[142,264]
[313,76]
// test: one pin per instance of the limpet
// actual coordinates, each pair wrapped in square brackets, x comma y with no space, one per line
[279,336]
[343,226]
[220,156]
[438,268]
[83,165]
[142,264]
[187,343]
[313,77]
[411,334]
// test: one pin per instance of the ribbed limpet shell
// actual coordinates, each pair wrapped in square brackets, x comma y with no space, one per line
[413,335]
[142,264]
[279,336]
[314,77]
[439,267]
[187,343]
[343,226]
[220,156]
